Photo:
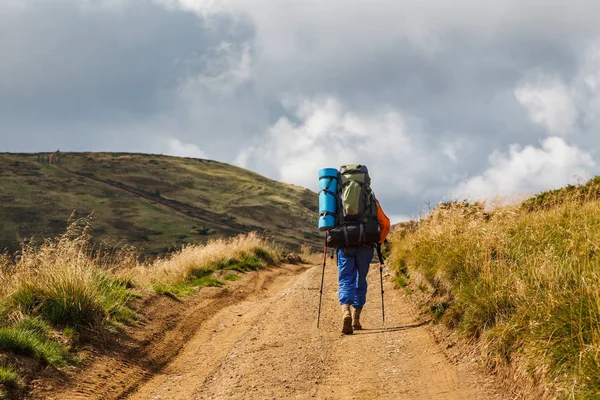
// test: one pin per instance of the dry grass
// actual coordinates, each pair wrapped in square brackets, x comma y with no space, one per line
[308,256]
[50,294]
[241,253]
[64,282]
[524,285]
[68,282]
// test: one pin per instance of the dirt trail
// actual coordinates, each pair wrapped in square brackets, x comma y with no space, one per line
[267,346]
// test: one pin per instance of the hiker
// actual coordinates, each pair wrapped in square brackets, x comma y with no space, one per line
[361,224]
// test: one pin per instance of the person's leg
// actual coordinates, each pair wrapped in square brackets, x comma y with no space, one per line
[346,276]
[364,255]
[346,286]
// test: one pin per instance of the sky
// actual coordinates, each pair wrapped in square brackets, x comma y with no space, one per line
[441,100]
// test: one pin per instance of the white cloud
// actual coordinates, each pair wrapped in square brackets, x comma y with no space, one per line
[550,104]
[528,170]
[323,133]
[175,147]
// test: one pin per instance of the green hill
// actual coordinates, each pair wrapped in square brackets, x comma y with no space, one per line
[152,202]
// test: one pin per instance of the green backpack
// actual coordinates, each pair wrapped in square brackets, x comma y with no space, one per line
[356,221]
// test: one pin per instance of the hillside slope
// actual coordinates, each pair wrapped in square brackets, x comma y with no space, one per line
[152,202]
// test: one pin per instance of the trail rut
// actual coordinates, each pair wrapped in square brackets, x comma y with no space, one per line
[267,346]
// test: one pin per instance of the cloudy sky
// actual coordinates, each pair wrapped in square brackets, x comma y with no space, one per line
[441,99]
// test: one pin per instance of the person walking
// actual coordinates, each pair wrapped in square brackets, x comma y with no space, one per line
[361,225]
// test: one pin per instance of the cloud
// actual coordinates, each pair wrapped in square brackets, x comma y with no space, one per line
[176,148]
[120,74]
[529,170]
[428,93]
[322,132]
[225,69]
[550,104]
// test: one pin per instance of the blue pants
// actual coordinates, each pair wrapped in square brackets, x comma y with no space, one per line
[353,266]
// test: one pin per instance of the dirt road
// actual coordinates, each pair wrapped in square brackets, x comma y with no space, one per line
[267,346]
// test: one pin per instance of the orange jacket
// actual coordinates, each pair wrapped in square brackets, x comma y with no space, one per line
[384,222]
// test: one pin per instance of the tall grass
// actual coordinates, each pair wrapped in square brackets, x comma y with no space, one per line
[525,285]
[241,253]
[63,282]
[51,293]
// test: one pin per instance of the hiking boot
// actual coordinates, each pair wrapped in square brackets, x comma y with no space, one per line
[356,319]
[347,329]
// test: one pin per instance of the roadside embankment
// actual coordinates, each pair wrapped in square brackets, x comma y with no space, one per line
[64,302]
[521,283]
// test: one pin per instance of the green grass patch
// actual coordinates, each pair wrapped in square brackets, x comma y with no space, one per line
[31,339]
[83,302]
[176,291]
[114,297]
[71,334]
[10,379]
[232,277]
[401,280]
[245,263]
[187,288]
[206,281]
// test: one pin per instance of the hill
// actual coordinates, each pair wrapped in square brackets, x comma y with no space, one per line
[153,202]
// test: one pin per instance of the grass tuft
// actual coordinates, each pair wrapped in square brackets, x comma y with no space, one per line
[63,283]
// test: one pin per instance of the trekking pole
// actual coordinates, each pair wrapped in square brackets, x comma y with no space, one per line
[380,255]
[322,280]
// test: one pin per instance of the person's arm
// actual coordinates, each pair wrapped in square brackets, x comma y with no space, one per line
[384,222]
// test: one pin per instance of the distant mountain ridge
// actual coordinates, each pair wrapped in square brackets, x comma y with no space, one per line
[153,202]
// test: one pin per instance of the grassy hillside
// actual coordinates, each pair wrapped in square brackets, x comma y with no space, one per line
[153,202]
[523,282]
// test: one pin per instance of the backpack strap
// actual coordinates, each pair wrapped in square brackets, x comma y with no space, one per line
[329,176]
[326,190]
[345,229]
[324,213]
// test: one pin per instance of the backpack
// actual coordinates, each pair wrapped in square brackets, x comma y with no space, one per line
[356,219]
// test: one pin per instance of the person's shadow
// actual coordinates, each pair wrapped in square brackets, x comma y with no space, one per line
[370,331]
